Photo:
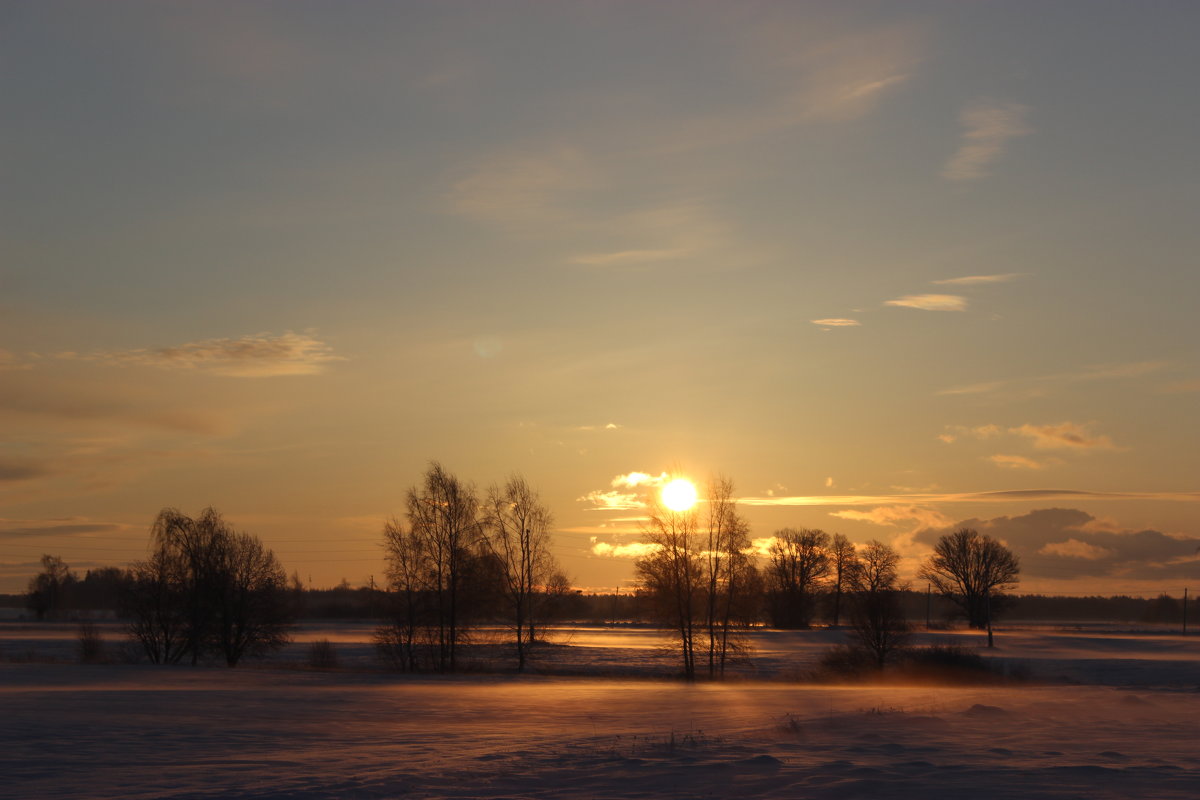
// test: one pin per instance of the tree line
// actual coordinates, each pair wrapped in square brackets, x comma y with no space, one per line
[460,558]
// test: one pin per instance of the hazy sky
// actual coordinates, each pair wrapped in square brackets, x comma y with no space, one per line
[889,266]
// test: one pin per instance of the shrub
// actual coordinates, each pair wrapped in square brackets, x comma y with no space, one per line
[89,645]
[322,655]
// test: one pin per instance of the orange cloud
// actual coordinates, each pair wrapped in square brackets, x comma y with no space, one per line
[1064,435]
[259,356]
[930,302]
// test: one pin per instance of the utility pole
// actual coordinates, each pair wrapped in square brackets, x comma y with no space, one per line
[1185,611]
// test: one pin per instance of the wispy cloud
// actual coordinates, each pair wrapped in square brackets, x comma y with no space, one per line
[262,355]
[630,257]
[1016,462]
[955,432]
[1038,385]
[836,322]
[975,280]
[1074,548]
[61,527]
[629,492]
[927,498]
[1063,436]
[522,191]
[10,361]
[635,479]
[20,470]
[631,550]
[989,126]
[930,302]
[1181,387]
[892,515]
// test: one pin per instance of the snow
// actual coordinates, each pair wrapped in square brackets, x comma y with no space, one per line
[1123,726]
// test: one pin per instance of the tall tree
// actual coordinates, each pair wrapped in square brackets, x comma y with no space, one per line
[207,588]
[47,592]
[973,571]
[727,573]
[843,564]
[673,575]
[404,639]
[443,515]
[518,537]
[879,625]
[799,562]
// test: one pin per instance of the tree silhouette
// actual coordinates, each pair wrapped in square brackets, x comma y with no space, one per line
[729,574]
[517,525]
[47,592]
[843,565]
[878,621]
[673,575]
[207,588]
[798,563]
[972,570]
[443,518]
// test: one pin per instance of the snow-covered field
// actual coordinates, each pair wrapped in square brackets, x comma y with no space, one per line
[1123,723]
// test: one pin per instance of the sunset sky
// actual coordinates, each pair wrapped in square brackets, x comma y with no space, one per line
[891,267]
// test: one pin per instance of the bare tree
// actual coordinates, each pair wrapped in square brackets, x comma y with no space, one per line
[672,575]
[254,608]
[879,625]
[727,573]
[843,563]
[443,515]
[47,592]
[408,572]
[518,537]
[157,606]
[208,588]
[799,562]
[973,571]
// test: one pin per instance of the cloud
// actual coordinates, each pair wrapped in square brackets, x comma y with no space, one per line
[87,404]
[930,302]
[973,280]
[1063,436]
[10,361]
[891,515]
[934,498]
[1181,387]
[989,125]
[628,257]
[20,470]
[955,432]
[1074,548]
[259,356]
[836,322]
[1016,462]
[635,479]
[1060,543]
[65,526]
[525,190]
[631,550]
[612,501]
[1039,385]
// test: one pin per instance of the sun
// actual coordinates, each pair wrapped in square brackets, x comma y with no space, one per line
[679,494]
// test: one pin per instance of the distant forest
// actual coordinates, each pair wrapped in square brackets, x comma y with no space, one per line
[99,592]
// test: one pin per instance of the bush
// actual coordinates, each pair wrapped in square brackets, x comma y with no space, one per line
[322,655]
[846,663]
[89,645]
[936,663]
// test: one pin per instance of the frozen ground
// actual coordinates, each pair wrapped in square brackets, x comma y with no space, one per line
[276,731]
